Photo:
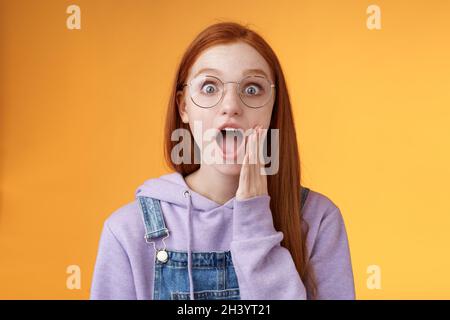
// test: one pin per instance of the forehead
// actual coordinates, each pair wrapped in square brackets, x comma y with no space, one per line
[231,61]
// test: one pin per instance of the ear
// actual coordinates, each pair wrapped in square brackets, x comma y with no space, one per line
[181,104]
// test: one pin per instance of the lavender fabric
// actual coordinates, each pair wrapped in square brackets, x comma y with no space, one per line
[124,267]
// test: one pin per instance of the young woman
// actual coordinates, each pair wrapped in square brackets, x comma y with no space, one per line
[221,230]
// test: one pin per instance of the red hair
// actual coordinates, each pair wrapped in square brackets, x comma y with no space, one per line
[284,187]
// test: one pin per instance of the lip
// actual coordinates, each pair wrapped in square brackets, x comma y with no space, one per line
[230,125]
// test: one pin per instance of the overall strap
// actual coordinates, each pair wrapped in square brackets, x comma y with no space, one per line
[152,215]
[304,195]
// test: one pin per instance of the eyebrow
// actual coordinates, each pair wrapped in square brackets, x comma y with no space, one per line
[246,72]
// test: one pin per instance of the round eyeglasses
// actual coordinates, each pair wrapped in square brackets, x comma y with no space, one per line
[207,91]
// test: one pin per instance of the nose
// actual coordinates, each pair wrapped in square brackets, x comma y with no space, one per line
[231,103]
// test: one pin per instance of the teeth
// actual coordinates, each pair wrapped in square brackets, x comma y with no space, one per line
[229,129]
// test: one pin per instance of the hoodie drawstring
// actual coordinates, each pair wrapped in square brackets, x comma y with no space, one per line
[187,194]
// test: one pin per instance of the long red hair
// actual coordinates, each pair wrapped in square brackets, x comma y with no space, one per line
[284,187]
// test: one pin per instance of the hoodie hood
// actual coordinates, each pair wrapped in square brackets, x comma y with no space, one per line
[172,189]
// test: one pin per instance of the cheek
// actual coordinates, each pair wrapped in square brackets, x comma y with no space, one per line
[261,117]
[199,121]
[200,116]
[268,116]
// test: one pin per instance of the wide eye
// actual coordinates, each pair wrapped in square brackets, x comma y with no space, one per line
[209,87]
[252,89]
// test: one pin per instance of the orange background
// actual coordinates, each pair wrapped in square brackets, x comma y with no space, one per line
[82,115]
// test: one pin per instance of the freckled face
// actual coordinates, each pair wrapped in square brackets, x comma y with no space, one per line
[228,62]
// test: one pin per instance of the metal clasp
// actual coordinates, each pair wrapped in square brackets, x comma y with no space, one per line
[161,254]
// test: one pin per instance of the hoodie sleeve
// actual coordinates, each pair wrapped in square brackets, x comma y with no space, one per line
[330,258]
[113,278]
[266,270]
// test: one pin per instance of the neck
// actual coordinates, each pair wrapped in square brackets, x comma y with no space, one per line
[212,184]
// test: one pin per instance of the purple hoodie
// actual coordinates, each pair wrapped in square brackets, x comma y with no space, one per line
[265,270]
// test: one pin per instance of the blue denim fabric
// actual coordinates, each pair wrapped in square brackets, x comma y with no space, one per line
[155,226]
[213,275]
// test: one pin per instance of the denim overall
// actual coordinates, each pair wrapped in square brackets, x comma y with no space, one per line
[212,272]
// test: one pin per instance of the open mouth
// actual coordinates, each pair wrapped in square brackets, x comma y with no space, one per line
[230,141]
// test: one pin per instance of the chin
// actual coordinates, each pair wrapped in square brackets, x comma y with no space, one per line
[229,169]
